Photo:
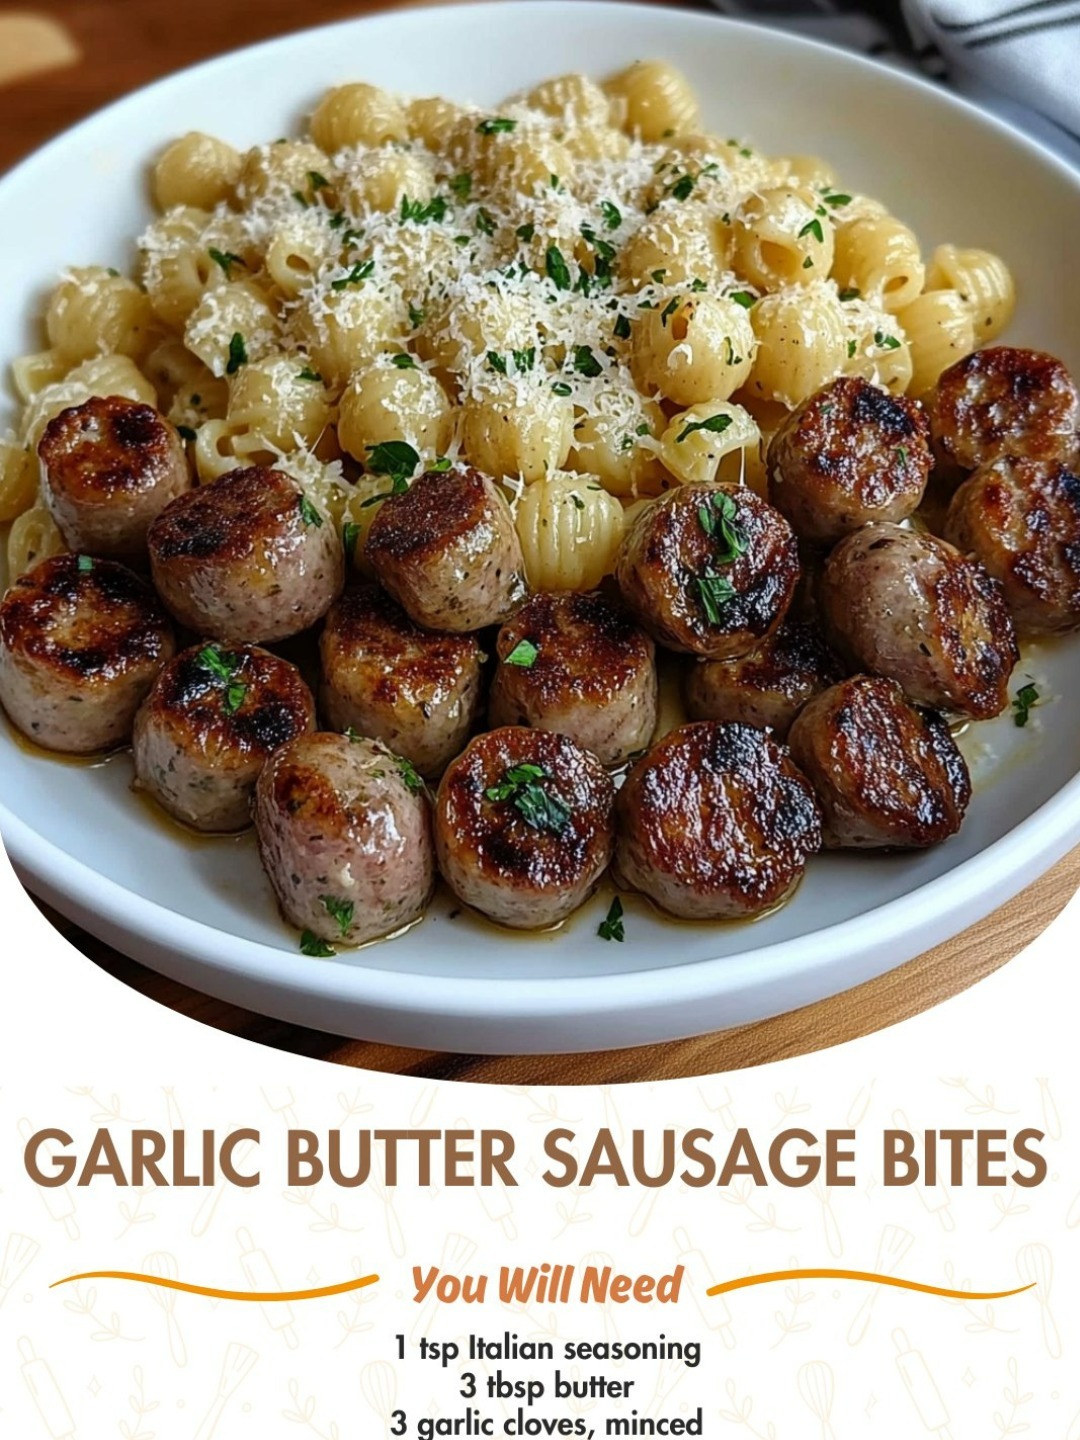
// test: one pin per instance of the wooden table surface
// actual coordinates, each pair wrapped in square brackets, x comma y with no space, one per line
[62,59]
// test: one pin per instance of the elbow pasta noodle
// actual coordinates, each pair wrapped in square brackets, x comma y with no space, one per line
[940,330]
[710,443]
[196,170]
[982,280]
[581,292]
[879,257]
[570,530]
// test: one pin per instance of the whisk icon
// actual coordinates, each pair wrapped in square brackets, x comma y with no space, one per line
[378,1385]
[817,1390]
[1035,1266]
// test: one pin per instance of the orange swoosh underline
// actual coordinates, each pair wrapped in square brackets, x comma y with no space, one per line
[869,1277]
[263,1297]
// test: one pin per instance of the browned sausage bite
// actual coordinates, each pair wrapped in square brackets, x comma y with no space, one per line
[206,728]
[81,642]
[913,608]
[716,823]
[850,454]
[108,469]
[523,826]
[886,773]
[578,665]
[1005,401]
[247,559]
[709,570]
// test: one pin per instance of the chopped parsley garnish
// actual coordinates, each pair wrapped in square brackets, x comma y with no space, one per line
[808,264]
[317,181]
[421,213]
[578,503]
[715,425]
[852,346]
[525,232]
[743,298]
[852,292]
[717,518]
[409,774]
[486,222]
[557,269]
[225,259]
[417,316]
[353,735]
[813,227]
[612,214]
[234,697]
[586,363]
[309,514]
[186,432]
[562,389]
[442,465]
[112,270]
[357,275]
[403,361]
[525,360]
[496,362]
[611,928]
[659,276]
[309,374]
[237,354]
[714,592]
[221,664]
[837,199]
[902,454]
[523,786]
[698,286]
[497,125]
[669,311]
[622,327]
[461,185]
[350,534]
[396,459]
[310,944]
[523,655]
[729,352]
[683,187]
[887,342]
[1027,697]
[341,911]
[85,564]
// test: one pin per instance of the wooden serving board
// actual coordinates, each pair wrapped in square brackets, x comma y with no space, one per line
[63,59]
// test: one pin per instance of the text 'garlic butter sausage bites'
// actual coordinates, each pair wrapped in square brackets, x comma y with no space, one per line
[716,823]
[108,468]
[523,826]
[1020,518]
[81,643]
[709,570]
[887,774]
[850,454]
[344,832]
[913,608]
[447,551]
[1005,400]
[248,559]
[418,691]
[768,687]
[207,727]
[576,664]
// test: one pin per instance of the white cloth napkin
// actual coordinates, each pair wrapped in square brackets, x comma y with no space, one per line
[1020,58]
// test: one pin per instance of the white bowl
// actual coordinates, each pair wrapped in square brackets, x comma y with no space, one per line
[203,913]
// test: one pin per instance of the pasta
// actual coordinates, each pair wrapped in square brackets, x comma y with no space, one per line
[33,537]
[581,292]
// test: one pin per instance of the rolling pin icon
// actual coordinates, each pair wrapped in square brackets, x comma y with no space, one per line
[57,1200]
[259,1273]
[919,1383]
[45,1393]
[714,1309]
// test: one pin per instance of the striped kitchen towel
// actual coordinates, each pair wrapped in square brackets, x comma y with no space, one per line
[1020,58]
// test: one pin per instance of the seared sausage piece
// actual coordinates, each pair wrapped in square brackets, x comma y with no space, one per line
[1021,519]
[108,468]
[578,665]
[417,691]
[887,774]
[769,687]
[709,570]
[716,823]
[81,643]
[913,608]
[344,833]
[850,454]
[1005,401]
[523,826]
[248,559]
[207,727]
[447,550]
